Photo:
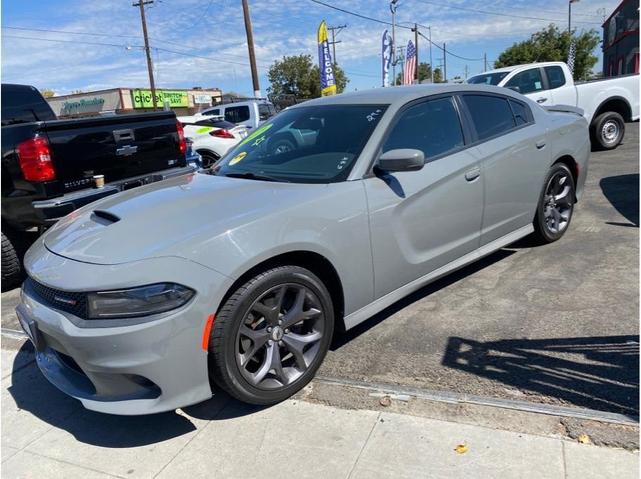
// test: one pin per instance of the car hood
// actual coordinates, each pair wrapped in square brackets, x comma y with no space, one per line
[169,217]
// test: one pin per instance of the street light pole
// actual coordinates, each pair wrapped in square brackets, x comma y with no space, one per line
[570,2]
[392,7]
[429,30]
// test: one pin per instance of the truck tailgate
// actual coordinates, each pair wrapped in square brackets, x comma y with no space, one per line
[117,147]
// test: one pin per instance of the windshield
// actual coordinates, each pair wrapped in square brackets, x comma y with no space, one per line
[487,78]
[313,144]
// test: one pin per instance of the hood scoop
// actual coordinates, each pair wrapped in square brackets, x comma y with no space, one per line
[104,217]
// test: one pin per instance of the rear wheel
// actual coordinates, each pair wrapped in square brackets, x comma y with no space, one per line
[11,266]
[271,335]
[556,205]
[608,130]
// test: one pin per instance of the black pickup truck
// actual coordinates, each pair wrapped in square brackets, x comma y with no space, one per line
[48,165]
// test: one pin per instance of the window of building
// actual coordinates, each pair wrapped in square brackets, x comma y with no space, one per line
[491,115]
[432,127]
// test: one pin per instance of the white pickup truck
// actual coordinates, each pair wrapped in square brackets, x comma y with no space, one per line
[607,104]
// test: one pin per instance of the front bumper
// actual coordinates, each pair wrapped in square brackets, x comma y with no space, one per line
[137,366]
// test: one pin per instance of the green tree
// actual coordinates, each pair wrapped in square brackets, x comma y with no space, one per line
[47,92]
[298,75]
[424,73]
[551,44]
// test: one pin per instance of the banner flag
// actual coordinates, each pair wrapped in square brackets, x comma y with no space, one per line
[410,64]
[328,83]
[571,56]
[386,55]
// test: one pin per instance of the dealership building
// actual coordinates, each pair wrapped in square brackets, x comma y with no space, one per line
[621,40]
[132,100]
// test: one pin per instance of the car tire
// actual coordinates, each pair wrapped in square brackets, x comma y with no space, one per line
[608,130]
[11,265]
[208,158]
[254,357]
[556,205]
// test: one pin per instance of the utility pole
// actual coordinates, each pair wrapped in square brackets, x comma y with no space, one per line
[401,57]
[485,62]
[250,47]
[150,68]
[335,31]
[466,70]
[415,29]
[392,7]
[444,64]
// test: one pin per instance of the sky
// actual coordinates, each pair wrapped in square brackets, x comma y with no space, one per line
[98,44]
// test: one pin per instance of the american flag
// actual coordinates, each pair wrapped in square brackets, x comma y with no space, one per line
[410,64]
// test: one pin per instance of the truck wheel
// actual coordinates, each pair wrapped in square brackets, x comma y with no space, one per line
[607,130]
[11,267]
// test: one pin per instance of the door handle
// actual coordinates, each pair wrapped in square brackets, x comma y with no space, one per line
[540,145]
[474,173]
[541,100]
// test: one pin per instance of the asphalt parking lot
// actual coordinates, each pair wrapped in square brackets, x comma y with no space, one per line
[555,324]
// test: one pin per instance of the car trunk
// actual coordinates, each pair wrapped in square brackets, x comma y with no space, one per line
[118,147]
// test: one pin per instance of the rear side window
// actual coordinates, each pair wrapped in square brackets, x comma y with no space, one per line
[527,81]
[432,127]
[237,114]
[522,114]
[556,77]
[491,115]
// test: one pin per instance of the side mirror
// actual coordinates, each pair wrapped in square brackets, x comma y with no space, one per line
[514,88]
[402,159]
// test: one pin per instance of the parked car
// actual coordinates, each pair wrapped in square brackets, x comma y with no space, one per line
[243,272]
[48,165]
[211,136]
[249,113]
[607,104]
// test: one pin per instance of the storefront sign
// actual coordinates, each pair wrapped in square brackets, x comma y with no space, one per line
[175,99]
[85,104]
[202,99]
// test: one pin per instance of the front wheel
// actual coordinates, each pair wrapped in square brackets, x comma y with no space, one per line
[271,335]
[608,130]
[556,205]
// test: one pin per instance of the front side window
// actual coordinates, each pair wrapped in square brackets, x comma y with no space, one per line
[527,81]
[237,114]
[491,115]
[432,127]
[556,77]
[313,144]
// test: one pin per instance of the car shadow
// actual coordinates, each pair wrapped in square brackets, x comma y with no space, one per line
[342,338]
[34,394]
[622,192]
[606,377]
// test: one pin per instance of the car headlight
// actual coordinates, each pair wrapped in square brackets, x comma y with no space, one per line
[140,301]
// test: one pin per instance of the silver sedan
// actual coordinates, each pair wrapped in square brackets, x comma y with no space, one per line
[238,277]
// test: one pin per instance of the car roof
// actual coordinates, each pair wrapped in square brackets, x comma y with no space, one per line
[523,65]
[403,94]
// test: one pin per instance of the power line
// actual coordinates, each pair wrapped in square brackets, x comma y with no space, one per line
[498,14]
[73,41]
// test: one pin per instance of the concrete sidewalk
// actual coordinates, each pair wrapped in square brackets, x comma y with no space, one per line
[46,434]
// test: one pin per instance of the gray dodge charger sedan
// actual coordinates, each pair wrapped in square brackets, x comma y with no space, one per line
[237,277]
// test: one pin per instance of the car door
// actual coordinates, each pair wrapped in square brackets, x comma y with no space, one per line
[514,158]
[531,83]
[422,220]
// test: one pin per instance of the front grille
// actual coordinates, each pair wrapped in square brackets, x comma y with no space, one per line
[68,301]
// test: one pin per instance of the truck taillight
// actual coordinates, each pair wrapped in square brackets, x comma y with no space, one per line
[222,133]
[182,142]
[34,157]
